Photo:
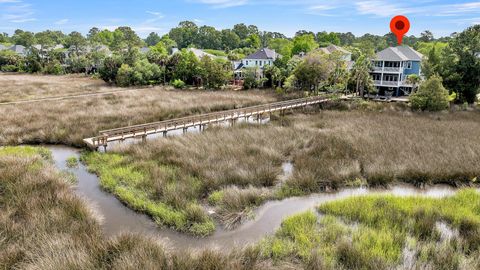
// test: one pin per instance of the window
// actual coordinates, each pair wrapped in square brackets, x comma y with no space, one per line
[256,63]
[409,65]
[246,63]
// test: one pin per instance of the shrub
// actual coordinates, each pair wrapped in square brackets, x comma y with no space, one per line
[179,84]
[111,65]
[9,68]
[124,76]
[54,68]
[431,96]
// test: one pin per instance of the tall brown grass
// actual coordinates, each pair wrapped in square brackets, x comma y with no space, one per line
[70,121]
[43,225]
[329,149]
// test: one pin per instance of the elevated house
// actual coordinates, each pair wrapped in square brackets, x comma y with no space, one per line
[391,68]
[260,59]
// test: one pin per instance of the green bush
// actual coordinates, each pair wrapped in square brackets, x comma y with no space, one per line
[431,96]
[9,68]
[54,68]
[179,84]
[124,76]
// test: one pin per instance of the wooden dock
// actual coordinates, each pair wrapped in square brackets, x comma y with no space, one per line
[163,127]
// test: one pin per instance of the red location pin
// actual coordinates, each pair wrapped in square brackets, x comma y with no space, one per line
[400,25]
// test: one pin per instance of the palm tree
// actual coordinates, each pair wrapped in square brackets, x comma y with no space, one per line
[361,74]
[414,80]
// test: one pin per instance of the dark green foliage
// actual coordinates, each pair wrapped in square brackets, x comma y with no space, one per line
[431,96]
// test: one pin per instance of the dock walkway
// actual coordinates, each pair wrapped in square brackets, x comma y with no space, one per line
[163,127]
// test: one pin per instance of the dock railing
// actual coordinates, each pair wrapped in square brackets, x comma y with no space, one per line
[144,130]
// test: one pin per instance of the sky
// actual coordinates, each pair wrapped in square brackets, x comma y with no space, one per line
[442,17]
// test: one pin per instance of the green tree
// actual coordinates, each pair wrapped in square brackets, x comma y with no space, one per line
[313,72]
[282,45]
[426,36]
[230,40]
[253,41]
[109,70]
[185,34]
[185,66]
[76,41]
[339,76]
[4,38]
[325,39]
[360,75]
[241,30]
[466,46]
[414,80]
[152,39]
[168,43]
[23,38]
[304,43]
[214,73]
[274,76]
[208,38]
[125,39]
[431,96]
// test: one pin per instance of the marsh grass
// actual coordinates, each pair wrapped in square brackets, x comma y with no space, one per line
[43,225]
[329,150]
[70,121]
[372,232]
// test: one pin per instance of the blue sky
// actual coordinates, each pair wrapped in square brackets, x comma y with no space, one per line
[286,16]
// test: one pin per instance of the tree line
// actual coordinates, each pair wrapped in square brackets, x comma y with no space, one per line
[117,58]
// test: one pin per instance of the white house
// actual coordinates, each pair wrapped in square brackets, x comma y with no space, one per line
[260,59]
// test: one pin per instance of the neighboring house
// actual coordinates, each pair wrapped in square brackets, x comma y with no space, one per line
[391,68]
[346,55]
[2,47]
[19,49]
[199,53]
[260,59]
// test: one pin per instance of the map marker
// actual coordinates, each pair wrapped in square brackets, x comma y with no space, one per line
[400,25]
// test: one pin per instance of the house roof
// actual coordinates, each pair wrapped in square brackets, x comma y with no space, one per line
[263,54]
[333,48]
[400,53]
[18,49]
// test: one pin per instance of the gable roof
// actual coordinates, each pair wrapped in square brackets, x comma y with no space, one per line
[399,53]
[333,48]
[18,49]
[264,54]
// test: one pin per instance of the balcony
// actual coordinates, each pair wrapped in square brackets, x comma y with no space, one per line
[392,83]
[388,69]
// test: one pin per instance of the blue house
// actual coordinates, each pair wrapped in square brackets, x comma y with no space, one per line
[392,66]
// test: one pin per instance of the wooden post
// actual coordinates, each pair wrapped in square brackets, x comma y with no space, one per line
[144,138]
[165,134]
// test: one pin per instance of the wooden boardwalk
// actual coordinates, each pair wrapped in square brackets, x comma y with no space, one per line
[163,127]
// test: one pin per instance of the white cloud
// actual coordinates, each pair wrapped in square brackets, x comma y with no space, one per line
[223,3]
[62,22]
[16,11]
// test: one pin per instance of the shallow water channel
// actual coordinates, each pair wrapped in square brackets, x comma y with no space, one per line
[117,218]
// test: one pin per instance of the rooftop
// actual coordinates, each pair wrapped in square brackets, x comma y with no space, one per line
[264,54]
[399,53]
[333,48]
